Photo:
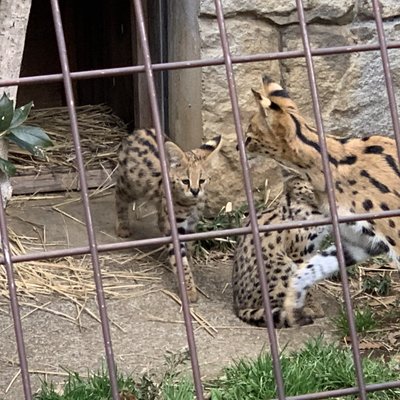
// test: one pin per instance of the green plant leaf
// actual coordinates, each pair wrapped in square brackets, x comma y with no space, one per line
[30,138]
[7,167]
[21,114]
[6,112]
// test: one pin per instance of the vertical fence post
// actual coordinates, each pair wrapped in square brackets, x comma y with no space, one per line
[12,290]
[250,201]
[332,201]
[167,192]
[105,326]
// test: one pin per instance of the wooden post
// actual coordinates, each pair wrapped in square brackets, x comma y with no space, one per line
[184,86]
[14,17]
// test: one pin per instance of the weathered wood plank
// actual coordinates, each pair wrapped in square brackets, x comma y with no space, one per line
[59,181]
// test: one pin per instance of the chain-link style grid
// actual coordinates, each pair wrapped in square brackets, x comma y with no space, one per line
[93,248]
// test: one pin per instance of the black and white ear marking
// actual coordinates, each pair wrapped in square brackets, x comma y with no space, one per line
[212,144]
[211,147]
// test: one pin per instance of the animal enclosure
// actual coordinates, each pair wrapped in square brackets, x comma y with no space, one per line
[102,251]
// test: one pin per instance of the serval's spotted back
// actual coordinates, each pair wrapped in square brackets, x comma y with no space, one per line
[283,251]
[139,178]
[366,175]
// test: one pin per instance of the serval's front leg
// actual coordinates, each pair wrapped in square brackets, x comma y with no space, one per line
[122,202]
[189,280]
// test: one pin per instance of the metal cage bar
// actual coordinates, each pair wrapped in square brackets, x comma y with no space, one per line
[170,207]
[331,199]
[386,73]
[230,76]
[15,311]
[236,59]
[93,248]
[105,325]
[73,251]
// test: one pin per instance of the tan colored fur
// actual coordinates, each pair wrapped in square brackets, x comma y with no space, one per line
[365,173]
[139,178]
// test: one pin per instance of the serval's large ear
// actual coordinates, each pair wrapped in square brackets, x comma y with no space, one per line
[262,101]
[209,149]
[279,98]
[176,156]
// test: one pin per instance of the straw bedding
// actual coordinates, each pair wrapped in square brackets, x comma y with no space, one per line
[100,134]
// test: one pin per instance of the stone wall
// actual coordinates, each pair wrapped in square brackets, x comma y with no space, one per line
[351,86]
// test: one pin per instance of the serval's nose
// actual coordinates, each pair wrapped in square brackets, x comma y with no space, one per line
[195,192]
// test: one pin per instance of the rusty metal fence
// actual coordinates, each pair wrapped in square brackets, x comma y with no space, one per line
[67,77]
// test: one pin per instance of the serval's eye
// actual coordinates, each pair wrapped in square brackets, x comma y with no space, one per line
[186,181]
[201,181]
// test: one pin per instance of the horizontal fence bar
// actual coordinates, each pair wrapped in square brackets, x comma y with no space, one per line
[346,391]
[162,240]
[122,71]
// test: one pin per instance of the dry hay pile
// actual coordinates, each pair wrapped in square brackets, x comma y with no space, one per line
[375,291]
[39,283]
[374,282]
[124,275]
[100,132]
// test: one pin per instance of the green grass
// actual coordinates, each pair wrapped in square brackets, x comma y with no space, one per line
[317,367]
[364,318]
[224,220]
[96,386]
[378,285]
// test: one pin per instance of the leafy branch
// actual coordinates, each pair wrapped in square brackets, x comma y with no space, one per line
[13,129]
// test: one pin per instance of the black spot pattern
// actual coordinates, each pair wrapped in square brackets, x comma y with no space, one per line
[384,206]
[390,241]
[373,150]
[348,160]
[367,204]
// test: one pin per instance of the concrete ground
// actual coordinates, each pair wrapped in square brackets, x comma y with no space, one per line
[147,325]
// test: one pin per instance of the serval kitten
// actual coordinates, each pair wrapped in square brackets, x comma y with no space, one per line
[139,178]
[283,252]
[366,176]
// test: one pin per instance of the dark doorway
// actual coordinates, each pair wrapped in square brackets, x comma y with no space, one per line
[99,34]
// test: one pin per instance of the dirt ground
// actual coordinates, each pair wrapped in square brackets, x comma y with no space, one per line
[145,326]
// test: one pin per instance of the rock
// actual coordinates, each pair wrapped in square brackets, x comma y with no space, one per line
[246,36]
[351,87]
[285,12]
[330,71]
[389,9]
